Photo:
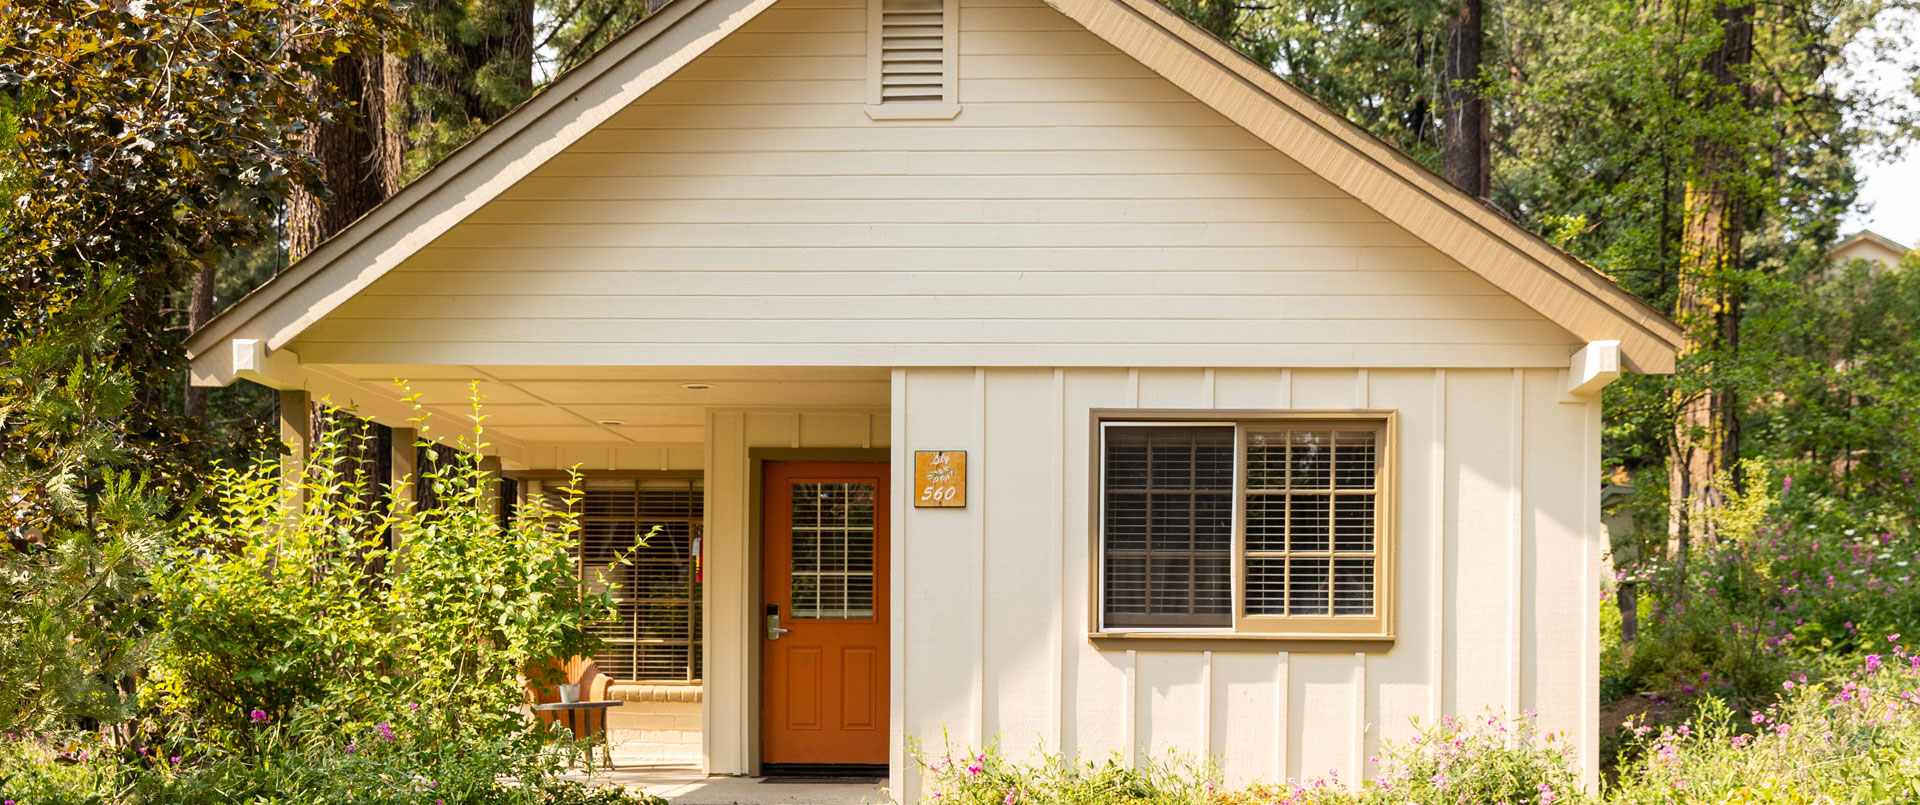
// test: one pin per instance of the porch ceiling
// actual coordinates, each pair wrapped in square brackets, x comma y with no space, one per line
[590,405]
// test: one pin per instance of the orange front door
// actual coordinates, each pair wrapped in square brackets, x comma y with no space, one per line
[824,679]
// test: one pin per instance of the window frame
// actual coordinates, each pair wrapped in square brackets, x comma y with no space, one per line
[1380,626]
[551,484]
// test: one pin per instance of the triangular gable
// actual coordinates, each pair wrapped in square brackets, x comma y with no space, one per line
[1558,286]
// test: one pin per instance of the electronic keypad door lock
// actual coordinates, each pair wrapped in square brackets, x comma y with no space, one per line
[773,622]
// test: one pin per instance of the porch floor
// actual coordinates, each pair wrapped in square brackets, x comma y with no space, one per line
[683,786]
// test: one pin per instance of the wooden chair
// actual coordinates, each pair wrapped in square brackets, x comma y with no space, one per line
[593,688]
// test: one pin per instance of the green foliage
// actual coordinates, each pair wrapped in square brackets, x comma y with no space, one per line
[988,777]
[1484,760]
[1855,738]
[297,657]
[1842,416]
[1800,583]
[143,140]
[472,61]
[269,602]
[576,29]
[309,763]
[81,526]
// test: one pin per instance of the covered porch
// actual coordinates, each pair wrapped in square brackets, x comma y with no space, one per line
[677,449]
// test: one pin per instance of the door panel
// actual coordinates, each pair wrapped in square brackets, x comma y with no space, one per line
[824,573]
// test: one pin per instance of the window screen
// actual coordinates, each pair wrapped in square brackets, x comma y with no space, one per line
[1167,525]
[657,635]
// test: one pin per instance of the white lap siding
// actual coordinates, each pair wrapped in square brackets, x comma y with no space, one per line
[1079,211]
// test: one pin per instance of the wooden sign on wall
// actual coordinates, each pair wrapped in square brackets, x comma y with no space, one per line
[939,479]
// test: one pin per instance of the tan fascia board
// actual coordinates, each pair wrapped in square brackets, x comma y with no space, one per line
[1552,282]
[573,105]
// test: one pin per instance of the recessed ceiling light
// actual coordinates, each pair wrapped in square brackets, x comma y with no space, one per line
[696,386]
[613,422]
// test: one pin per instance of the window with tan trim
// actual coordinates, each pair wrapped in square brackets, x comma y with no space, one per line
[1268,524]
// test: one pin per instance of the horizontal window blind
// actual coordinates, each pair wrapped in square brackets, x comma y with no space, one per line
[1311,545]
[1167,522]
[657,635]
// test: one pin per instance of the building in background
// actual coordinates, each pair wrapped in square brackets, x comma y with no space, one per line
[1867,244]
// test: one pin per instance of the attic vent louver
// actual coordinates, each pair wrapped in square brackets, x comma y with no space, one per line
[911,60]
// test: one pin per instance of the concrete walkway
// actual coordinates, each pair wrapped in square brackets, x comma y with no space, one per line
[683,786]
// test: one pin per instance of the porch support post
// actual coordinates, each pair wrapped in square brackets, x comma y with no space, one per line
[296,435]
[406,463]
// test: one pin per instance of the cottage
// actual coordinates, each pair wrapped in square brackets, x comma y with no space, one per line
[1034,371]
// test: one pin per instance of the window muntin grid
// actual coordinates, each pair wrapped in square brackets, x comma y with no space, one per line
[832,550]
[1311,542]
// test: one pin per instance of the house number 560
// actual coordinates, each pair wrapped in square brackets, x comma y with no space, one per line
[939,479]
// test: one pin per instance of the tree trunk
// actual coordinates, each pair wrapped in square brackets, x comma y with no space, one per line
[1465,156]
[1706,425]
[360,154]
[199,312]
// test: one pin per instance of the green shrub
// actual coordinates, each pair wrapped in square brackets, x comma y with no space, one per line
[298,658]
[1485,760]
[271,601]
[987,777]
[1852,739]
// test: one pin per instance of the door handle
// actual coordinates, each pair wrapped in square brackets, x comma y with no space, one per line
[773,622]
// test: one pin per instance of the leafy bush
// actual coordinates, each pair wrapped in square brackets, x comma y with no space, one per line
[271,600]
[304,763]
[314,642]
[1852,739]
[1798,583]
[1485,760]
[1855,738]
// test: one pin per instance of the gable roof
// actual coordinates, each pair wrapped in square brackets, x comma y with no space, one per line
[1869,236]
[1552,282]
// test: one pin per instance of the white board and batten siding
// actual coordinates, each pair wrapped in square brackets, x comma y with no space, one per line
[1496,580]
[1079,211]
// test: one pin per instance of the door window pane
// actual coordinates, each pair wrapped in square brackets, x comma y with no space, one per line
[832,550]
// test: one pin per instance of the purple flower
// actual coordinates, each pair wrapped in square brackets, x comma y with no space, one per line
[351,748]
[413,705]
[260,716]
[386,731]
[174,759]
[1873,662]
